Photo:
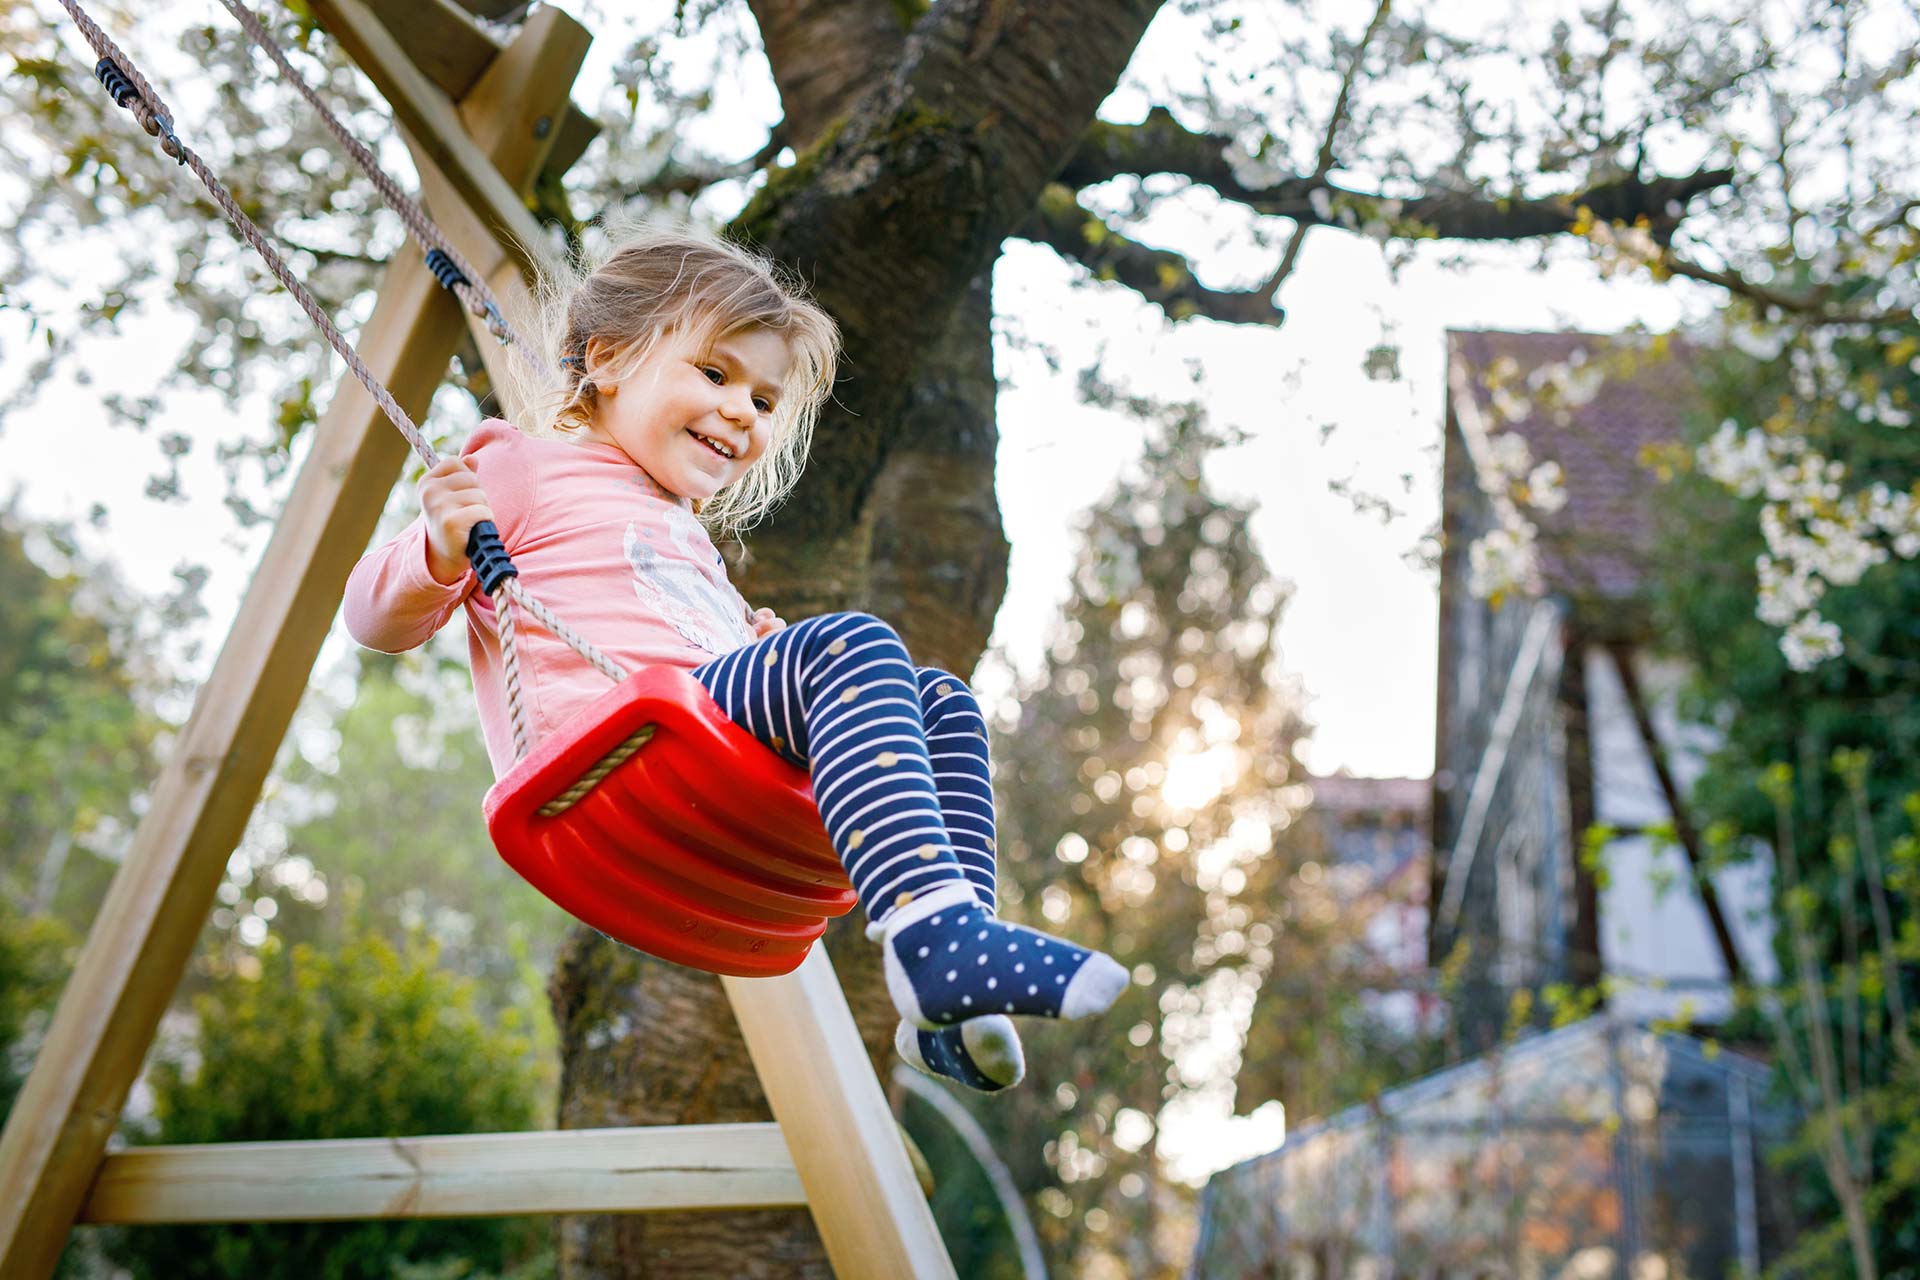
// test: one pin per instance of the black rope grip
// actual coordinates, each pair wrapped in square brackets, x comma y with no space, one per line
[488,556]
[125,94]
[444,271]
[116,83]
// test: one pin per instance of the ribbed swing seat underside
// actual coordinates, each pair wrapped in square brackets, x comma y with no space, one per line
[700,846]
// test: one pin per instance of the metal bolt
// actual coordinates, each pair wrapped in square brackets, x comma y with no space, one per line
[543,126]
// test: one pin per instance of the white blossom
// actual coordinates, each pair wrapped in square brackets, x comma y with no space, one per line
[1547,488]
[1511,454]
[1810,641]
[1622,247]
[1504,561]
[1785,595]
[1738,460]
[1817,535]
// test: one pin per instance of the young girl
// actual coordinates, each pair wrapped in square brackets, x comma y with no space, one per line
[691,380]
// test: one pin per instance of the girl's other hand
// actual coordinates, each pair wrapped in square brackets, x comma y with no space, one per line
[454,503]
[764,622]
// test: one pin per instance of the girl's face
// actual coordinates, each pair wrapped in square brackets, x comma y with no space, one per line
[696,420]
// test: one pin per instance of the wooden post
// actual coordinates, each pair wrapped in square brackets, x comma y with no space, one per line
[869,1208]
[153,912]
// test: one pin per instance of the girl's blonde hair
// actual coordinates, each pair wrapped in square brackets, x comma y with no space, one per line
[655,283]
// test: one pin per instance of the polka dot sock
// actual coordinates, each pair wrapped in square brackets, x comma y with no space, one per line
[947,960]
[983,1054]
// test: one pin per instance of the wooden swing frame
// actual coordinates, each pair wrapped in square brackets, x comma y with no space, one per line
[484,123]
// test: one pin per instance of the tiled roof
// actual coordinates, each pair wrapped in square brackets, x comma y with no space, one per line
[1592,403]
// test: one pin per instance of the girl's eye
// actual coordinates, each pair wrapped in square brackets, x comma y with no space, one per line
[763,404]
[713,375]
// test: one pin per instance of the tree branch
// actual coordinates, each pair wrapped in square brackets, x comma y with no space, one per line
[1160,144]
[1324,164]
[1162,277]
[1815,306]
[981,105]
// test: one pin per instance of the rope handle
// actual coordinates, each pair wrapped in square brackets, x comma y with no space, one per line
[488,556]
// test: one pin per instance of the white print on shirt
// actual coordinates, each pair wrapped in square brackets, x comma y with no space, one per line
[708,614]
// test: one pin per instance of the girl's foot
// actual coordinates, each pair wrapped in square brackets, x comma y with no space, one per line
[981,1053]
[947,960]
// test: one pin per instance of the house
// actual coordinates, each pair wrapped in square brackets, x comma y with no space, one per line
[1376,832]
[1561,854]
[1562,850]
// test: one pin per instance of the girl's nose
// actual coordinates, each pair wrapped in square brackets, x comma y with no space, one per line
[738,407]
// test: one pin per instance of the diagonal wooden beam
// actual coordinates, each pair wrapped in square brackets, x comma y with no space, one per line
[434,125]
[147,927]
[1683,828]
[497,116]
[873,1218]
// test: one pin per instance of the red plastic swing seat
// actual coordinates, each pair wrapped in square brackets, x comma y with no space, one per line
[703,847]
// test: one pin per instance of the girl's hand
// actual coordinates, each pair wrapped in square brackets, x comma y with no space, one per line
[454,503]
[764,623]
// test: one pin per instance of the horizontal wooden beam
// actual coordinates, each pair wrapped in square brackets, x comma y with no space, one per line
[678,1167]
[443,40]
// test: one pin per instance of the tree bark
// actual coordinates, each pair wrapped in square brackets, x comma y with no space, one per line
[825,54]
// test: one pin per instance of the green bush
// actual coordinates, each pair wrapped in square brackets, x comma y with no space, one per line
[33,964]
[366,1041]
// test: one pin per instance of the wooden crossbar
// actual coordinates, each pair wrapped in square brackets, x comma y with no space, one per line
[467,144]
[709,1166]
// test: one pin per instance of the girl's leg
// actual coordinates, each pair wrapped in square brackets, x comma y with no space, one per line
[839,692]
[981,1053]
[962,773]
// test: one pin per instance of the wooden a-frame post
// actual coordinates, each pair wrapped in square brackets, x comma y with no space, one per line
[483,123]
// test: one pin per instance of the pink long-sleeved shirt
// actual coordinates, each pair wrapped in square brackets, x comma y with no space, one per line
[613,554]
